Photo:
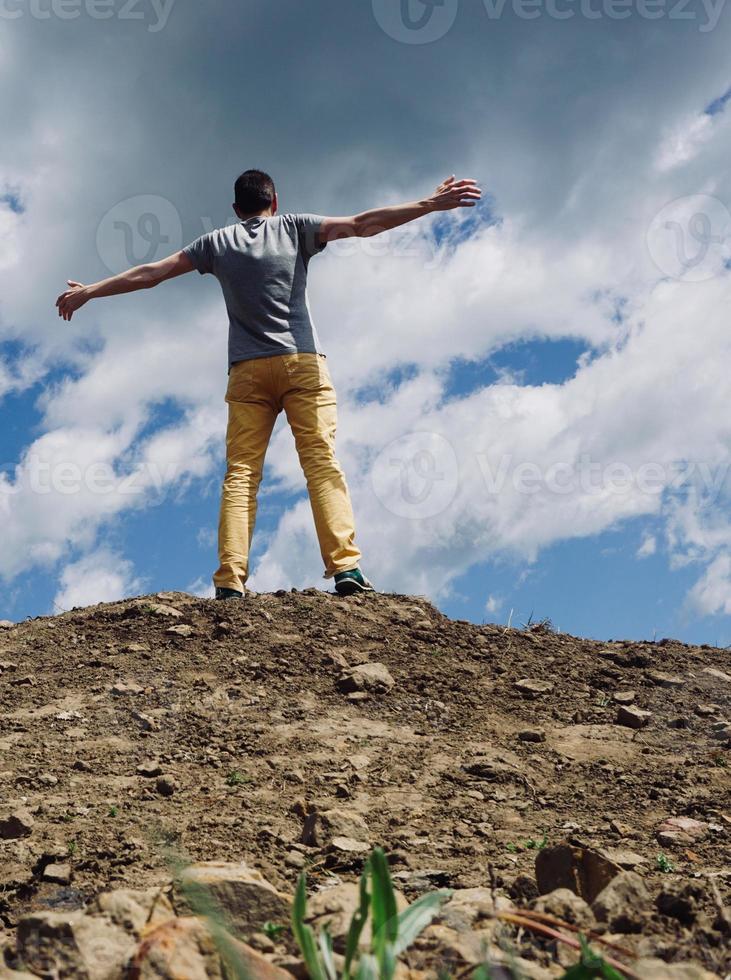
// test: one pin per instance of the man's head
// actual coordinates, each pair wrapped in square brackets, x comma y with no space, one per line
[255,194]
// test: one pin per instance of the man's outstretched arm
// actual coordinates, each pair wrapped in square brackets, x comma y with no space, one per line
[450,194]
[141,277]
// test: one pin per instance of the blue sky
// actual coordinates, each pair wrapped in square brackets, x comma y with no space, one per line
[559,353]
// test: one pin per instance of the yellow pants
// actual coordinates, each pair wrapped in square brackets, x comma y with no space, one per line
[257,392]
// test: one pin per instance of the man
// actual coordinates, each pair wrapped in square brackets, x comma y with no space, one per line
[275,359]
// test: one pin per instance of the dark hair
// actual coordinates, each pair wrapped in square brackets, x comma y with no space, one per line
[254,191]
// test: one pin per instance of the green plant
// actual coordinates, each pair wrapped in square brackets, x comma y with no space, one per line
[71,848]
[664,864]
[532,844]
[113,811]
[591,966]
[392,932]
[236,778]
[273,930]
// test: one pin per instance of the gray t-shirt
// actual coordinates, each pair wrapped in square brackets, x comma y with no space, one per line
[261,264]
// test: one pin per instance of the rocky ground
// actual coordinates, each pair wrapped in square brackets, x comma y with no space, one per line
[296,730]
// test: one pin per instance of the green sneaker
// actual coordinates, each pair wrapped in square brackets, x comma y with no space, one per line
[352,583]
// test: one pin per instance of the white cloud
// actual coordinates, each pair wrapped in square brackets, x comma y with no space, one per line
[648,546]
[101,576]
[711,594]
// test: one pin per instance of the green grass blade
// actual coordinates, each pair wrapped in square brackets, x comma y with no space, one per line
[367,968]
[413,920]
[357,924]
[591,967]
[303,934]
[326,953]
[383,904]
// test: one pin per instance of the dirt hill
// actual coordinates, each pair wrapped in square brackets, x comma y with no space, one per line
[296,730]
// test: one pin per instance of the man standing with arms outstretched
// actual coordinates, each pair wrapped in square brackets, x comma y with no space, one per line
[275,359]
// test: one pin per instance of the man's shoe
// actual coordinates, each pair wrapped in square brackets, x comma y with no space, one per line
[352,583]
[228,593]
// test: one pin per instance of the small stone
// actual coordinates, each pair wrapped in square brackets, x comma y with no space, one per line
[632,717]
[121,689]
[60,874]
[295,859]
[719,675]
[5,624]
[721,731]
[707,710]
[7,667]
[149,769]
[349,845]
[373,677]
[146,723]
[662,679]
[81,766]
[532,735]
[180,629]
[567,906]
[166,786]
[624,697]
[160,609]
[679,721]
[242,894]
[27,681]
[17,824]
[46,779]
[533,687]
[623,904]
[694,829]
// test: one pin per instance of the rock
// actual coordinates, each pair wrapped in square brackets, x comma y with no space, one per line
[652,969]
[320,827]
[46,779]
[692,829]
[662,679]
[161,609]
[721,731]
[7,667]
[718,675]
[707,710]
[72,944]
[177,948]
[295,859]
[632,717]
[679,900]
[81,766]
[532,735]
[60,874]
[5,624]
[533,687]
[622,856]
[166,786]
[623,904]
[242,893]
[133,911]
[180,629]
[146,722]
[149,769]
[580,869]
[19,823]
[348,845]
[334,908]
[120,689]
[624,697]
[466,906]
[370,677]
[27,681]
[565,905]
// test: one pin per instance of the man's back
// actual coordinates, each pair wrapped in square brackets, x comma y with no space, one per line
[261,264]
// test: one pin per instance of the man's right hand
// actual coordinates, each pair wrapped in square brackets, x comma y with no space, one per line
[453,193]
